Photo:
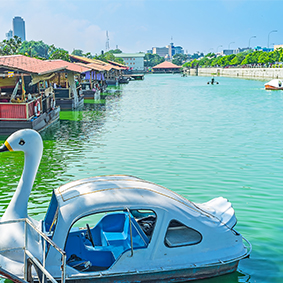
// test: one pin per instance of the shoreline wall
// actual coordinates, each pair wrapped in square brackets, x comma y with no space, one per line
[254,73]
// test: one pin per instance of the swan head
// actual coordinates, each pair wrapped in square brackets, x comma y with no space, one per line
[27,140]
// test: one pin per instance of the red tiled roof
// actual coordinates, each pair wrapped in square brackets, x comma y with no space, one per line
[69,66]
[166,65]
[28,65]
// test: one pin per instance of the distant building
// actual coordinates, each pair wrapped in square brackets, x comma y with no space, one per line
[135,61]
[167,52]
[9,34]
[264,49]
[166,67]
[227,52]
[178,50]
[161,51]
[19,28]
[239,50]
[278,46]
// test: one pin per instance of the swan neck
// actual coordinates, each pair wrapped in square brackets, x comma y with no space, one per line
[18,206]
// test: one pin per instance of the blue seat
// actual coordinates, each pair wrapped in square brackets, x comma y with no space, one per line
[111,236]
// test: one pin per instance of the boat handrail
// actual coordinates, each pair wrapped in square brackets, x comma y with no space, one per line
[35,261]
[249,248]
[131,232]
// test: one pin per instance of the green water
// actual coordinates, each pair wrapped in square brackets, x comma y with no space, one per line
[199,140]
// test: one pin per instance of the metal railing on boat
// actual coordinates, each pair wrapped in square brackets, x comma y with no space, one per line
[30,259]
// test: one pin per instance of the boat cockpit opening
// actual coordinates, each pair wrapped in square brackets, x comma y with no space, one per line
[97,241]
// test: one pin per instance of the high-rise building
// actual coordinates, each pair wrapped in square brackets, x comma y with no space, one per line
[19,28]
[9,34]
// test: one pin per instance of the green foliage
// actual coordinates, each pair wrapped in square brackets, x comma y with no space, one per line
[265,58]
[108,56]
[58,53]
[115,51]
[210,55]
[11,46]
[237,60]
[179,59]
[34,49]
[151,60]
[243,58]
[77,52]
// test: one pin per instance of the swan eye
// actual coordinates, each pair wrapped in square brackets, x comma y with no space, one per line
[22,142]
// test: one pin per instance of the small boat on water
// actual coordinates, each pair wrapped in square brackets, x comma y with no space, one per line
[114,228]
[275,84]
[123,80]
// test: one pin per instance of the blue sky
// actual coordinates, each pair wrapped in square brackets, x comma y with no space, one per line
[138,25]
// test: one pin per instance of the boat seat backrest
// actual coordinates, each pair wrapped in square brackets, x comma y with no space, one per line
[113,222]
[75,244]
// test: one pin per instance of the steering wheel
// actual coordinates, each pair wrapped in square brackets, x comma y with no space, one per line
[89,235]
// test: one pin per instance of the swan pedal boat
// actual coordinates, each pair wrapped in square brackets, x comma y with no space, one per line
[114,228]
[274,84]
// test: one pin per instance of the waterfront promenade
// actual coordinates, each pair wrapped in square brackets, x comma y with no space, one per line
[252,73]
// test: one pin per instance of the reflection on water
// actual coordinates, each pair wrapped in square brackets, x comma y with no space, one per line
[199,140]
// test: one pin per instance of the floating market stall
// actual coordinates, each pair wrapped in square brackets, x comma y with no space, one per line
[27,99]
[113,73]
[66,91]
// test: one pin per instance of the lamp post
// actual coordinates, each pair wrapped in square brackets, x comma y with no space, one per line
[229,44]
[218,47]
[250,40]
[268,37]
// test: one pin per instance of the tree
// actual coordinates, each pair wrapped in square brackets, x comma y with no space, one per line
[77,52]
[281,55]
[237,60]
[34,49]
[194,63]
[151,60]
[58,53]
[179,59]
[108,56]
[11,46]
[265,58]
[251,58]
[115,51]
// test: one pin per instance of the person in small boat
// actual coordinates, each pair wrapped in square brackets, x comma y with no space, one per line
[212,81]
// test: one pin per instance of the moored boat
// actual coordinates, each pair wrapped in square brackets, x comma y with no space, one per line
[26,100]
[66,93]
[275,84]
[116,228]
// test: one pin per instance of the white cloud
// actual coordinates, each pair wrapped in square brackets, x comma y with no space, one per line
[66,32]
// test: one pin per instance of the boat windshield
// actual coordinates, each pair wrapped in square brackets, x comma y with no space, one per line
[51,215]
